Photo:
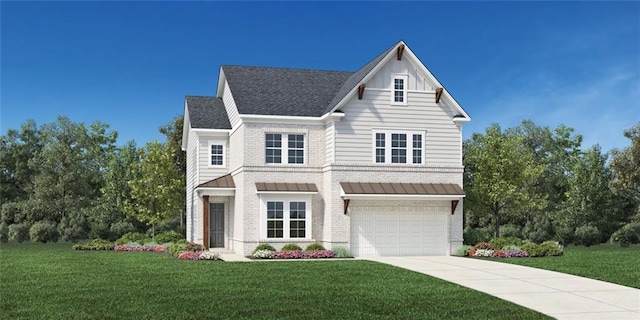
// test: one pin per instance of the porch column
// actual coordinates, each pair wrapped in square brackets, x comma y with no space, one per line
[205,221]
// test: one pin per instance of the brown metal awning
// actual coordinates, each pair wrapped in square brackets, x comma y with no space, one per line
[388,188]
[225,181]
[286,187]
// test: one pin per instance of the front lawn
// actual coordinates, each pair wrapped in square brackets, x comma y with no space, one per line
[53,281]
[607,262]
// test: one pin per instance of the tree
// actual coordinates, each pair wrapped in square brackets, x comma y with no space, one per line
[173,134]
[499,175]
[16,148]
[590,201]
[68,168]
[625,165]
[157,190]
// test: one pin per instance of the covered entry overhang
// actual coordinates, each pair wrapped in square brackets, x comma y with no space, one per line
[400,191]
[220,187]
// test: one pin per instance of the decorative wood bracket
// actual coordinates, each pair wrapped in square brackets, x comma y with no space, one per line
[400,51]
[361,91]
[454,205]
[439,94]
[346,205]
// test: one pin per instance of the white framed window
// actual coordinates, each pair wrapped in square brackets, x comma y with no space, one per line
[286,217]
[398,147]
[399,89]
[216,154]
[284,148]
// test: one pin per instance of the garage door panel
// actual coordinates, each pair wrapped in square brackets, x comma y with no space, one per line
[392,231]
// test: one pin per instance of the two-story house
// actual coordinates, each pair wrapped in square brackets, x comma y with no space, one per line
[369,160]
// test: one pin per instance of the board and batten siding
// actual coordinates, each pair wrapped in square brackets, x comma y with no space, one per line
[208,172]
[230,106]
[354,133]
[417,80]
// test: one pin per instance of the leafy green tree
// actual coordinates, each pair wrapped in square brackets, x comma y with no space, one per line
[173,134]
[68,168]
[157,191]
[499,175]
[16,148]
[590,201]
[625,165]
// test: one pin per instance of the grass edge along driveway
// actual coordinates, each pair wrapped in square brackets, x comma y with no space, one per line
[54,282]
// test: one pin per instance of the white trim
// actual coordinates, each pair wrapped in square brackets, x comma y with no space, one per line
[387,146]
[213,132]
[459,119]
[224,153]
[405,83]
[276,119]
[286,198]
[218,192]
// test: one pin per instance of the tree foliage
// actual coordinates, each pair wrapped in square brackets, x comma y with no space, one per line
[500,175]
[157,189]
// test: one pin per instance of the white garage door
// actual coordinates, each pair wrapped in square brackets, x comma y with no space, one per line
[399,231]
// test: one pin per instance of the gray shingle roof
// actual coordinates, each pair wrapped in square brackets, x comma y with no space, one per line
[281,91]
[207,112]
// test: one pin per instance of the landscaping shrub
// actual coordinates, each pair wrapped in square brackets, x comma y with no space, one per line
[176,248]
[551,248]
[120,228]
[474,235]
[208,255]
[587,235]
[264,246]
[482,252]
[19,232]
[44,231]
[628,234]
[291,247]
[189,255]
[73,227]
[263,254]
[298,254]
[192,246]
[539,229]
[95,244]
[314,247]
[463,251]
[342,252]
[4,232]
[510,254]
[140,248]
[545,249]
[133,237]
[502,242]
[167,236]
[511,230]
[11,213]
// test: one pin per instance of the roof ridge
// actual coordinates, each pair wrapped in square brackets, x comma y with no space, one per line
[284,68]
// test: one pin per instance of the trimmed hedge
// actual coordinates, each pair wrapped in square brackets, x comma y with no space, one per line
[44,231]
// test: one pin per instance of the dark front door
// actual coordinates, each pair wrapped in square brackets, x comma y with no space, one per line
[216,225]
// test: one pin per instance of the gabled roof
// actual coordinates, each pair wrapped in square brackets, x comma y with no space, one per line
[207,113]
[282,91]
[355,79]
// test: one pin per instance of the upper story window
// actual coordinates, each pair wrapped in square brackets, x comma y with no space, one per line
[403,147]
[291,145]
[216,154]
[399,89]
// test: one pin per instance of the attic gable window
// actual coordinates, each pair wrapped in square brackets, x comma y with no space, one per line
[399,89]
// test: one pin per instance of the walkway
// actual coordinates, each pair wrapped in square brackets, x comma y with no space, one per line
[556,294]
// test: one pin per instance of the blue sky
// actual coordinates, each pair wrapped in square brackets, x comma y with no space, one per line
[130,64]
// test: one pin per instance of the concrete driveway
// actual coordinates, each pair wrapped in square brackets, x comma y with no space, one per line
[556,294]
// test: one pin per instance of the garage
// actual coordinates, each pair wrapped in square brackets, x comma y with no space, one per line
[387,230]
[400,219]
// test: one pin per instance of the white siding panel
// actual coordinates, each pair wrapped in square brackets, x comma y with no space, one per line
[329,138]
[208,172]
[353,134]
[417,80]
[230,105]
[192,182]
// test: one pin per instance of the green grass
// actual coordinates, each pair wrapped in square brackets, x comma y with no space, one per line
[606,262]
[51,281]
